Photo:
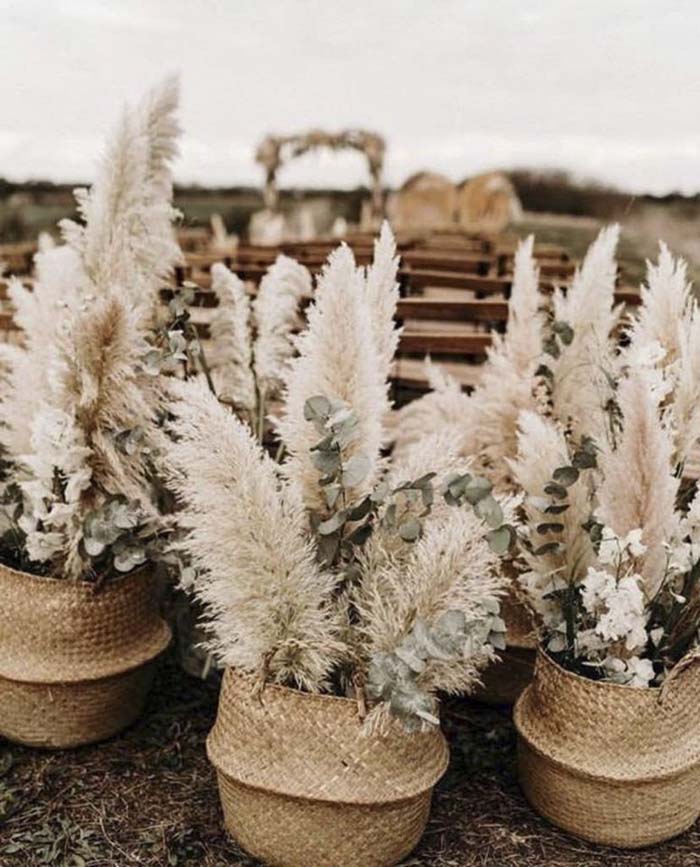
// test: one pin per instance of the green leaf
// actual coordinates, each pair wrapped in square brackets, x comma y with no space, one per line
[424,481]
[565,476]
[317,408]
[361,510]
[548,548]
[331,494]
[360,534]
[555,490]
[490,511]
[551,346]
[555,509]
[500,539]
[355,470]
[410,530]
[390,515]
[327,548]
[335,522]
[550,528]
[586,456]
[565,332]
[327,462]
[477,489]
[380,493]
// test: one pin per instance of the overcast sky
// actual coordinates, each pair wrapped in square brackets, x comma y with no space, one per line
[609,89]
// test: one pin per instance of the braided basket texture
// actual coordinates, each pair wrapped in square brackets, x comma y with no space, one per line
[613,764]
[75,664]
[301,784]
[503,681]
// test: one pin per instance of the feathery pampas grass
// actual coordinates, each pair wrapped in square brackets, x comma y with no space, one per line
[270,603]
[126,238]
[580,387]
[338,358]
[252,344]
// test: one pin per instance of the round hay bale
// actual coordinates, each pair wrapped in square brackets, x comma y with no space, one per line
[488,203]
[426,200]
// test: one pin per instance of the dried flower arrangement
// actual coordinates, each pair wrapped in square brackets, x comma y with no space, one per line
[612,535]
[80,404]
[338,571]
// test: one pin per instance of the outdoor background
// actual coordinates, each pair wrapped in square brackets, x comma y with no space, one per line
[589,107]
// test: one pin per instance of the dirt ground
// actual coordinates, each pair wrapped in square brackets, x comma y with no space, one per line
[149,798]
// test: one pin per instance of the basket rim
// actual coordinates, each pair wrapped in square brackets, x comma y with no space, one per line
[528,728]
[340,702]
[83,595]
[598,684]
[79,583]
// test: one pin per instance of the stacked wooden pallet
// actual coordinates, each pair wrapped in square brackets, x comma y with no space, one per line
[454,292]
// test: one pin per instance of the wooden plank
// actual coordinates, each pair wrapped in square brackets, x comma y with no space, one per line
[470,263]
[420,278]
[440,343]
[452,310]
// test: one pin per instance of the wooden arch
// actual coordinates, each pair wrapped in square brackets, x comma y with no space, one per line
[274,151]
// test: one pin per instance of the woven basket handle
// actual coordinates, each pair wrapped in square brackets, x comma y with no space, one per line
[678,669]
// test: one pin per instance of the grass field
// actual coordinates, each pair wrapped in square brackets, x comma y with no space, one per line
[149,798]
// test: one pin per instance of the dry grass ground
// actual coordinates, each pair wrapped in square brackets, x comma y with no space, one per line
[149,798]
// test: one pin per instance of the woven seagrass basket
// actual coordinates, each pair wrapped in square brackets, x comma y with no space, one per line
[301,784]
[503,681]
[617,765]
[76,665]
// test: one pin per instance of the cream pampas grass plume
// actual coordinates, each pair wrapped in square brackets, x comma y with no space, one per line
[451,568]
[445,406]
[232,350]
[581,385]
[277,313]
[41,312]
[126,238]
[507,384]
[382,293]
[266,597]
[666,335]
[486,422]
[638,489]
[666,300]
[685,402]
[76,462]
[338,360]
